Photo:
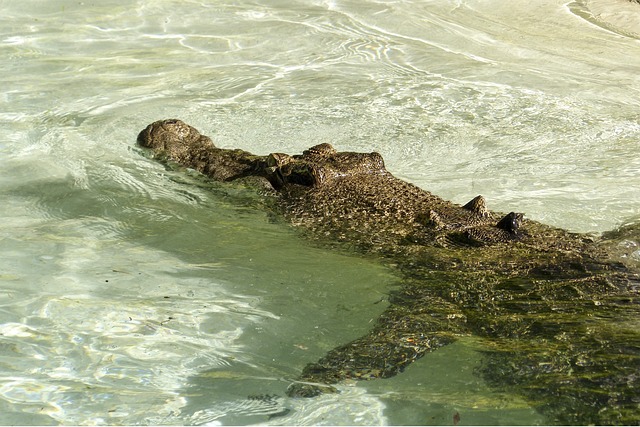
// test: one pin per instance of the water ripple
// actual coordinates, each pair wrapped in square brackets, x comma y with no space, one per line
[114,269]
[85,342]
[617,17]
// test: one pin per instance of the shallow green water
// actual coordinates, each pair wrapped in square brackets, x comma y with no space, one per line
[130,294]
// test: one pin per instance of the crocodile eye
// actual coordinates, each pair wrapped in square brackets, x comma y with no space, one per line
[511,222]
[309,176]
[293,172]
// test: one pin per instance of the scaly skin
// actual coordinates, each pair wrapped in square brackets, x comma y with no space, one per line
[557,315]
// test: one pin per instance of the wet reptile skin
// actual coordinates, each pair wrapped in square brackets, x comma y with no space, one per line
[544,300]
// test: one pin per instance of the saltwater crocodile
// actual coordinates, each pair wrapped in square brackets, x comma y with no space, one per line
[558,316]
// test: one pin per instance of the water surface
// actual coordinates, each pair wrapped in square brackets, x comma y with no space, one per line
[133,294]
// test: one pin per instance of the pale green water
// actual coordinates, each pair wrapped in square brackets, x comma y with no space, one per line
[133,295]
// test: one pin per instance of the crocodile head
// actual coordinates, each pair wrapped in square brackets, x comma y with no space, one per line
[320,165]
[327,187]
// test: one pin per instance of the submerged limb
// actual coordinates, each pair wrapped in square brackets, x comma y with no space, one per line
[410,327]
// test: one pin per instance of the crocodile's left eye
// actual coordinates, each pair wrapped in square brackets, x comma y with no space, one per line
[309,176]
[293,172]
[511,222]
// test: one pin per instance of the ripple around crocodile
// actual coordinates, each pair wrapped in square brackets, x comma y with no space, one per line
[552,306]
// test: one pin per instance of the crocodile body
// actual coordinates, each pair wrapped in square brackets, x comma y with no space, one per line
[558,316]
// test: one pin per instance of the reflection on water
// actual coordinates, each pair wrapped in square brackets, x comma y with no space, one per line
[130,294]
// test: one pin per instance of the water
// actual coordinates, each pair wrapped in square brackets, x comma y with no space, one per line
[130,294]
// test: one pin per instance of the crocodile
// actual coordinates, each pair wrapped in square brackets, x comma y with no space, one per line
[557,313]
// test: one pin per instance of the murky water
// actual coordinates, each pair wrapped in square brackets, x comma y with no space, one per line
[130,294]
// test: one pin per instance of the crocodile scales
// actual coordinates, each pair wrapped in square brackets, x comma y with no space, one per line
[556,311]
